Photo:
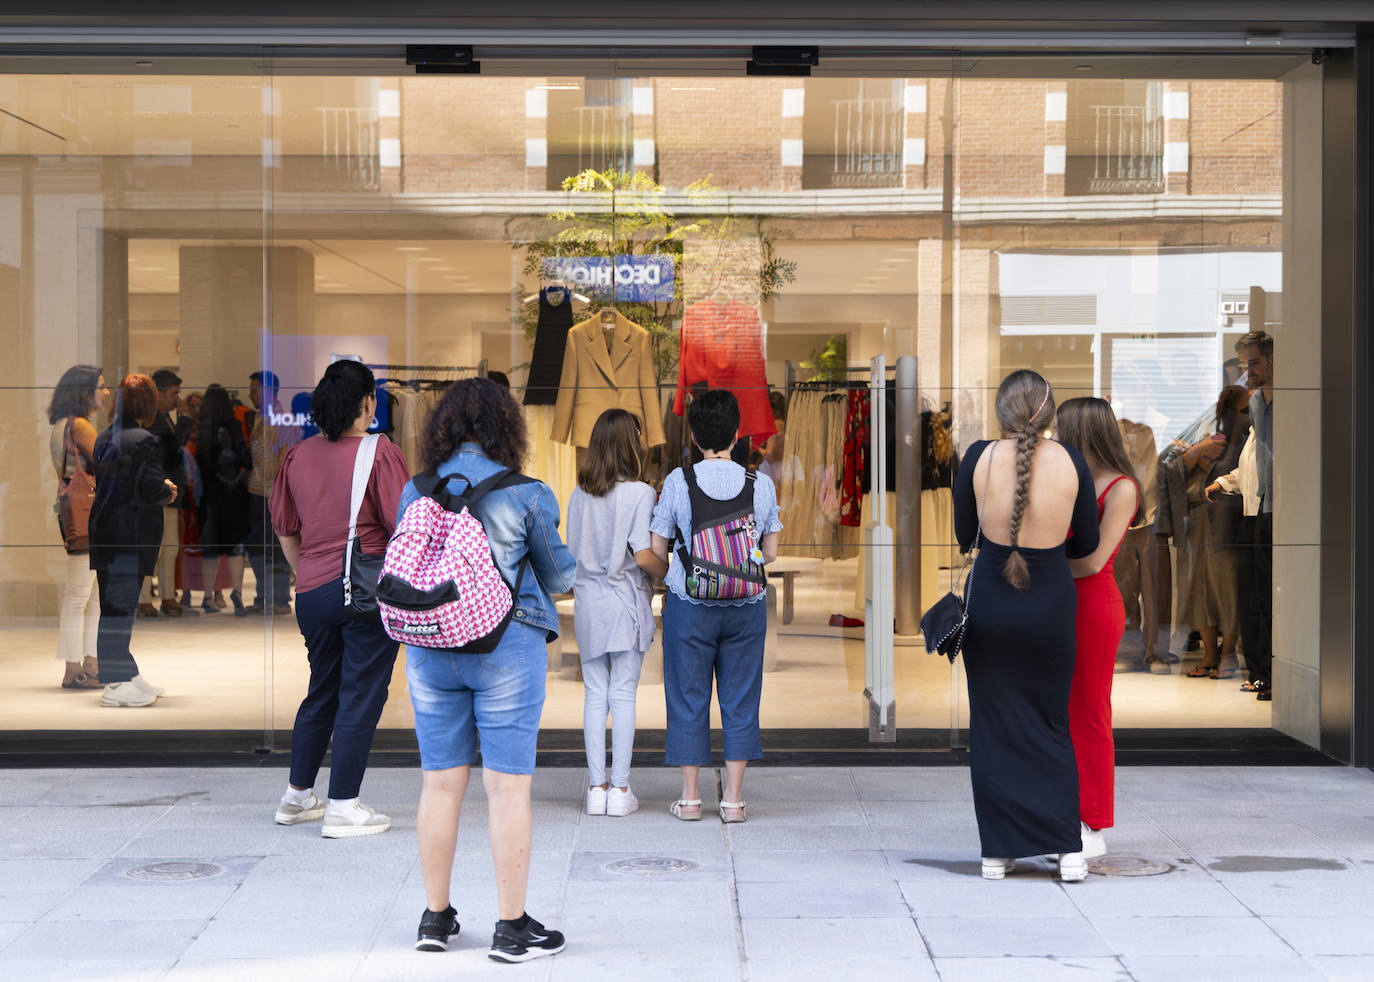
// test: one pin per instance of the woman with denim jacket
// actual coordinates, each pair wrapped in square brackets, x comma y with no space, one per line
[476,431]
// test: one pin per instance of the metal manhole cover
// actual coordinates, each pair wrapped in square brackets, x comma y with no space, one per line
[650,866]
[1128,866]
[174,872]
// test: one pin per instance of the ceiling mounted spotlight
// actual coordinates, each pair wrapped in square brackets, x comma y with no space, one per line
[442,59]
[794,61]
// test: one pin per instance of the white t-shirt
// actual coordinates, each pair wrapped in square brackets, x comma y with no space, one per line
[612,612]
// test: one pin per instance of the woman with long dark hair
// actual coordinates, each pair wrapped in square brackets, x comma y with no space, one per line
[1212,528]
[1090,426]
[1032,494]
[125,533]
[222,510]
[351,657]
[79,395]
[477,433]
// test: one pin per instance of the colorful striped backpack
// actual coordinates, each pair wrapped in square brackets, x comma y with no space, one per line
[722,561]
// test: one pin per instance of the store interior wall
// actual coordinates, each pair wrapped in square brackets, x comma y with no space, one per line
[1298,581]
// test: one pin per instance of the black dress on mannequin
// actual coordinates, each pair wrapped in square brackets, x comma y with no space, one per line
[550,340]
[1019,654]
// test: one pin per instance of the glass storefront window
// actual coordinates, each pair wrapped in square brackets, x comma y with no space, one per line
[772,235]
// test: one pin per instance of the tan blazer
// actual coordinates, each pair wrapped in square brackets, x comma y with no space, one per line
[594,380]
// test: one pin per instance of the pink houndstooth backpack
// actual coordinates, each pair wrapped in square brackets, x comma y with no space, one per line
[440,587]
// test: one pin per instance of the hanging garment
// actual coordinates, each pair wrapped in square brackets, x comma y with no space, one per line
[550,342]
[939,460]
[597,377]
[553,463]
[854,483]
[722,345]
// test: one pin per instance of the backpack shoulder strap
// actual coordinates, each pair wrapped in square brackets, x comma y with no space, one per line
[505,478]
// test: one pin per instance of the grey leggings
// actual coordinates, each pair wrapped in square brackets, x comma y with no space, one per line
[611,682]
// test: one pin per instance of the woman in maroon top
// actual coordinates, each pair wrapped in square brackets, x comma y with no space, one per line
[351,658]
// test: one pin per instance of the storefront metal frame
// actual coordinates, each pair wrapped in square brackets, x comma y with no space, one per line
[873,32]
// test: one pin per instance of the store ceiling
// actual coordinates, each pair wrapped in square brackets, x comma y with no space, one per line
[351,266]
[437,266]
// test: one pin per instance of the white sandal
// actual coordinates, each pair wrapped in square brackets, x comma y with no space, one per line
[738,806]
[677,809]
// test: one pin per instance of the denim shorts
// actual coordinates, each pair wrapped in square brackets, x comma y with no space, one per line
[498,697]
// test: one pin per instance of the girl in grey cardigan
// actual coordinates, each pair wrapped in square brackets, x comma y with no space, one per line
[608,534]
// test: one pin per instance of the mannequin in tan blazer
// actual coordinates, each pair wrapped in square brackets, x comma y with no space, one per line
[596,379]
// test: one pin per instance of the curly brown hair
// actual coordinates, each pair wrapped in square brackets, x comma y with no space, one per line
[477,410]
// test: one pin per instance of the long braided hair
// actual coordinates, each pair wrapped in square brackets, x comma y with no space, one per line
[1025,410]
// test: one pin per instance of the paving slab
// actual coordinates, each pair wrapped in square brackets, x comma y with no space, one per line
[840,873]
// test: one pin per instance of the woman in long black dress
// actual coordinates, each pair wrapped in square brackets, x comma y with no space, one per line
[1039,509]
[223,509]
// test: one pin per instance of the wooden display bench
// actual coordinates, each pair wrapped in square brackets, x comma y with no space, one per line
[564,658]
[563,655]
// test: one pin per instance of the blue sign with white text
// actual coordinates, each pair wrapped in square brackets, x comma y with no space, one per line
[638,279]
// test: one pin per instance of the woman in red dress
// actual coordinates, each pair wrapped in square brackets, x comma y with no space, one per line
[1090,426]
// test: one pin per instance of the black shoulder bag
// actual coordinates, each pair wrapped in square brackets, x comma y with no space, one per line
[945,624]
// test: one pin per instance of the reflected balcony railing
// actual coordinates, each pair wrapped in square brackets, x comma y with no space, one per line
[866,150]
[1128,152]
[605,138]
[350,148]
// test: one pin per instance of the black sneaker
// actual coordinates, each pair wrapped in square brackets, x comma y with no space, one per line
[436,929]
[534,940]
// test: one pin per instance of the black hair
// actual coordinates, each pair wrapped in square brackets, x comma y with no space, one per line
[75,393]
[338,398]
[713,418]
[216,410]
[165,378]
[500,378]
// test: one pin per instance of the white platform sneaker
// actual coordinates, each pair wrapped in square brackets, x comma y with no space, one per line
[1094,844]
[995,869]
[1073,867]
[596,800]
[126,695]
[621,803]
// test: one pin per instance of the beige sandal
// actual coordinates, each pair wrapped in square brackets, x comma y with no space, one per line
[82,680]
[734,806]
[680,808]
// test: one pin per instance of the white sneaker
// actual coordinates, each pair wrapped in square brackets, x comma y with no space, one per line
[995,869]
[621,803]
[353,822]
[290,813]
[1094,844]
[148,687]
[1073,868]
[596,800]
[126,695]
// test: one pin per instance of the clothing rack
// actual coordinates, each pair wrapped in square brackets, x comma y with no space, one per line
[791,383]
[480,368]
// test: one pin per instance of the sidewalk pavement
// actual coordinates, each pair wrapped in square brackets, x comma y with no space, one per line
[840,873]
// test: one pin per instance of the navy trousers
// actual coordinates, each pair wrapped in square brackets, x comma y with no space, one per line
[350,672]
[269,564]
[118,582]
[702,642]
